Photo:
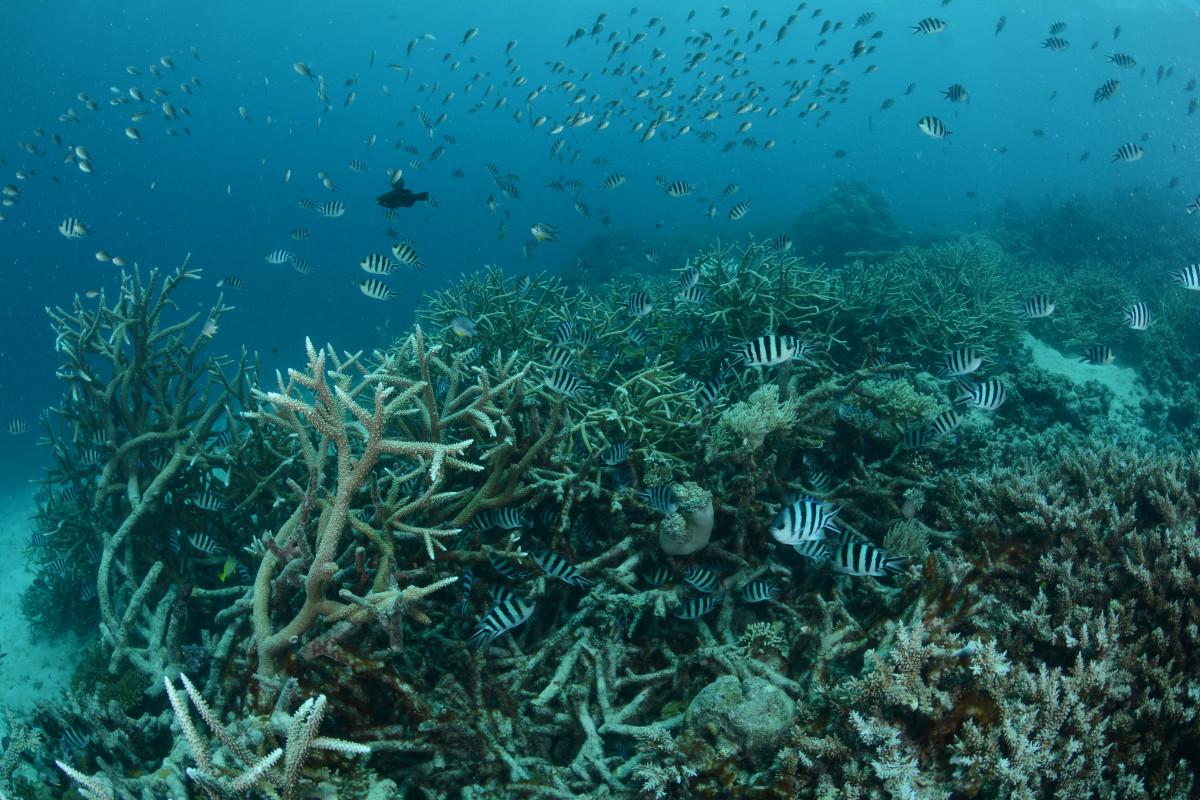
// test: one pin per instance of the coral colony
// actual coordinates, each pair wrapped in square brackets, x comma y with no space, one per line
[757,528]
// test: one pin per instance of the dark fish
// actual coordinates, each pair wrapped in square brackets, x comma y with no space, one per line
[1107,90]
[702,580]
[399,197]
[660,498]
[758,591]
[558,567]
[503,617]
[1000,23]
[929,25]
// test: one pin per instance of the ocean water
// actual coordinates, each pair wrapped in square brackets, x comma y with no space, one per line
[912,247]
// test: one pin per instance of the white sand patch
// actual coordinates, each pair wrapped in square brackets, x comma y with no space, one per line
[1124,382]
[33,667]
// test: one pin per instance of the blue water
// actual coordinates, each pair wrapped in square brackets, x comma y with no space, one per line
[217,193]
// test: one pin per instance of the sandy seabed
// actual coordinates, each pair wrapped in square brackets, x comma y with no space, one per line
[33,667]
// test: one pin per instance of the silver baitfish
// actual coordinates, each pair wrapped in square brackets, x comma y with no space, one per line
[862,559]
[804,520]
[502,618]
[558,567]
[702,580]
[989,395]
[697,607]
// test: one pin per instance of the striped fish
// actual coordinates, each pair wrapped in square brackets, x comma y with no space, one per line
[560,357]
[804,520]
[863,558]
[565,332]
[301,234]
[638,305]
[689,277]
[505,567]
[1137,316]
[558,567]
[989,395]
[944,423]
[660,575]
[303,267]
[1098,355]
[963,361]
[929,25]
[697,607]
[585,336]
[406,254]
[467,579]
[710,391]
[376,289]
[279,256]
[72,228]
[818,479]
[502,618]
[616,453]
[1189,276]
[1122,60]
[933,127]
[693,295]
[702,580]
[781,243]
[660,498]
[613,181]
[17,427]
[956,93]
[766,351]
[1055,43]
[332,210]
[560,381]
[730,190]
[232,281]
[739,210]
[205,544]
[1037,307]
[679,189]
[377,264]
[1107,91]
[758,591]
[174,541]
[1128,153]
[637,337]
[358,166]
[207,501]
[814,550]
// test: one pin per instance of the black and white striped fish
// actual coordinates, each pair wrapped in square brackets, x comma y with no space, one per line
[1122,60]
[1189,276]
[505,567]
[1128,153]
[1137,316]
[962,361]
[956,93]
[560,381]
[557,356]
[679,189]
[781,243]
[502,618]
[376,289]
[638,304]
[814,550]
[1057,28]
[804,520]
[929,25]
[585,336]
[613,181]
[989,395]
[864,19]
[72,228]
[279,256]
[300,234]
[1037,307]
[817,478]
[302,266]
[232,281]
[637,336]
[17,427]
[616,453]
[332,210]
[697,607]
[709,392]
[1107,91]
[730,190]
[205,544]
[944,423]
[739,210]
[693,295]
[863,559]
[406,254]
[358,165]
[1055,43]
[467,579]
[207,501]
[377,264]
[558,567]
[565,332]
[689,276]
[758,591]
[766,351]
[660,575]
[933,127]
[660,498]
[1098,355]
[701,579]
